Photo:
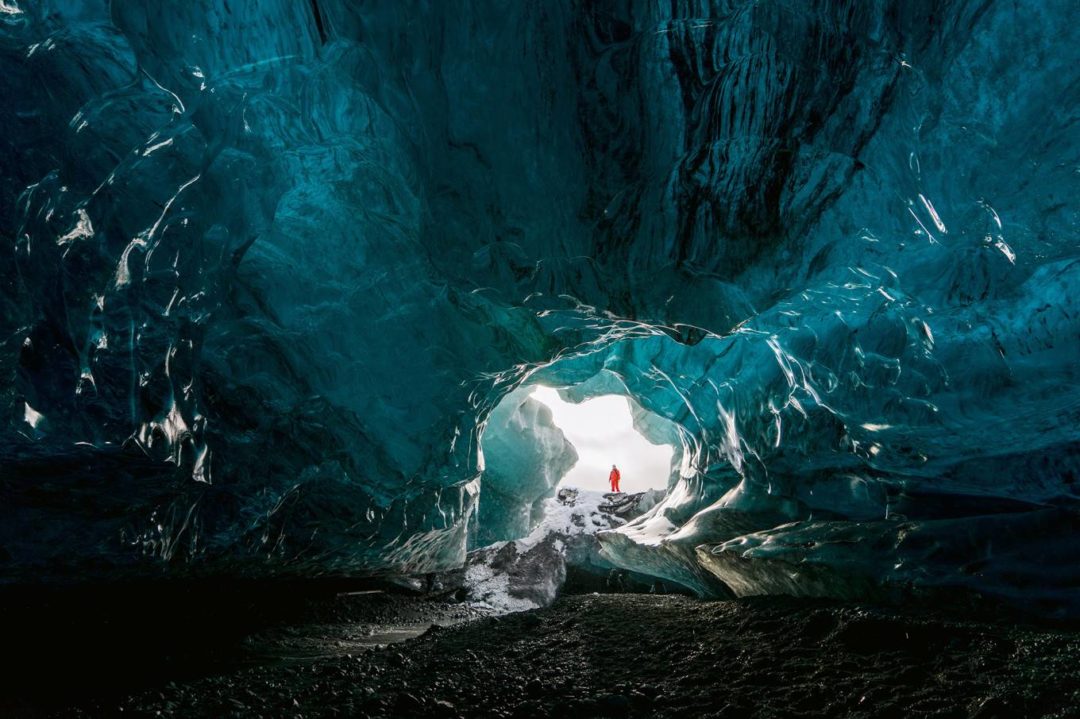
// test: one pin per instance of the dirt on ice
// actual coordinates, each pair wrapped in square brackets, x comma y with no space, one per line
[640,655]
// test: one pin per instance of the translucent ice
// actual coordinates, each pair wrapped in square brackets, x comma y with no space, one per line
[269,266]
[525,456]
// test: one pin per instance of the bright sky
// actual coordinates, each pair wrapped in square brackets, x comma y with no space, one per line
[602,431]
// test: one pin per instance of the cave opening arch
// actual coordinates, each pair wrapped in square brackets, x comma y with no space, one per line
[525,454]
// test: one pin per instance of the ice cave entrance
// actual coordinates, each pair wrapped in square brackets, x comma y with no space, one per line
[602,431]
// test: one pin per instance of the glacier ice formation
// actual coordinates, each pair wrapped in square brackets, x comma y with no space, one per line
[269,266]
[525,455]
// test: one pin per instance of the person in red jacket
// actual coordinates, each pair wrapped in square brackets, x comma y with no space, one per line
[614,479]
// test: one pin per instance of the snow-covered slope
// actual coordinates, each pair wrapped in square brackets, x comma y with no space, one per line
[528,572]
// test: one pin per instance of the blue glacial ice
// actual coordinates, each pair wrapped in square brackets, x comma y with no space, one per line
[524,457]
[269,267]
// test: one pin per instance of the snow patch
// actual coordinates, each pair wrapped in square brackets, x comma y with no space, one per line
[528,573]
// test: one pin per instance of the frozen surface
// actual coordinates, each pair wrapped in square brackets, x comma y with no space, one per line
[525,456]
[268,266]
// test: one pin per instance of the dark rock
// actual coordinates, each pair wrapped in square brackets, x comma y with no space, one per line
[613,705]
[996,707]
[407,702]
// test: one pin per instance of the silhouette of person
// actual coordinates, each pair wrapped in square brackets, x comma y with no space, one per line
[614,478]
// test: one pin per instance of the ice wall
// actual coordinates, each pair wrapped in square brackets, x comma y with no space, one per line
[525,456]
[268,266]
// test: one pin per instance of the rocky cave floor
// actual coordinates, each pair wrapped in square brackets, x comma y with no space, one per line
[603,655]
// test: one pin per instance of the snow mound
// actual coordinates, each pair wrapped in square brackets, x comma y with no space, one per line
[527,573]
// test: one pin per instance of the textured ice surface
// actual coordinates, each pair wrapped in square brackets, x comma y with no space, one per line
[525,456]
[267,267]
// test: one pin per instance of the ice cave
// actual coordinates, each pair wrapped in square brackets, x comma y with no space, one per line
[282,280]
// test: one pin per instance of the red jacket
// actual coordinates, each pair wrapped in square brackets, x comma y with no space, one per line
[614,476]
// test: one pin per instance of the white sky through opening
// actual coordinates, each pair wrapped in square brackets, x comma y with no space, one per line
[602,431]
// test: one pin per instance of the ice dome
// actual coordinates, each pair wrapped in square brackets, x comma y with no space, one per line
[269,267]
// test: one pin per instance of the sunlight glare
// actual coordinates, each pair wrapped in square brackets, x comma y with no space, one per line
[602,431]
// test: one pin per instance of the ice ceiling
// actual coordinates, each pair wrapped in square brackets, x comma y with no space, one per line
[269,265]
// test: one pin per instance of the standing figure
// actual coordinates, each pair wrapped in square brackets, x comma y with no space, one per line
[614,479]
